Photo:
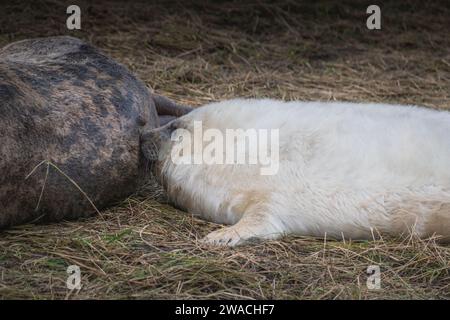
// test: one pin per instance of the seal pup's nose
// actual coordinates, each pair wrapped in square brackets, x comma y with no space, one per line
[151,139]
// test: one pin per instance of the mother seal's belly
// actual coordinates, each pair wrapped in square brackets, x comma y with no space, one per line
[70,120]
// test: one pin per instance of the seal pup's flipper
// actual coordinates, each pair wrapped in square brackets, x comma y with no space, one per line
[257,223]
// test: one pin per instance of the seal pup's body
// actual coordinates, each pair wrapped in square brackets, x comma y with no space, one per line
[345,170]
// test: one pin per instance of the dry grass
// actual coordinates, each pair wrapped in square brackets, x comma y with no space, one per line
[196,53]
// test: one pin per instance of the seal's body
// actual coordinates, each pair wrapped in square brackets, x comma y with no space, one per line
[70,120]
[345,170]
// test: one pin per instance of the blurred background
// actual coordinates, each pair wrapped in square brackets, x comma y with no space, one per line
[198,51]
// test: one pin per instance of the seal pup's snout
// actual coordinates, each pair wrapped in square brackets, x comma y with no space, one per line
[152,140]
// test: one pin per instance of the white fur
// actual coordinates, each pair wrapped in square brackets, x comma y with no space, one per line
[346,170]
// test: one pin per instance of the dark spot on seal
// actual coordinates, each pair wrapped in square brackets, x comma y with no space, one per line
[122,102]
[8,92]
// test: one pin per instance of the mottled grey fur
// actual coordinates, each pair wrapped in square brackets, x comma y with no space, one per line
[70,121]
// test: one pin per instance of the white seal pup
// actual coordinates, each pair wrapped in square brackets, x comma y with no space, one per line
[344,170]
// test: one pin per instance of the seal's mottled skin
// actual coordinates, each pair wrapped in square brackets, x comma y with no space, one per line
[65,103]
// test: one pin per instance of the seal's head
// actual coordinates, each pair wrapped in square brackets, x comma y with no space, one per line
[157,145]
